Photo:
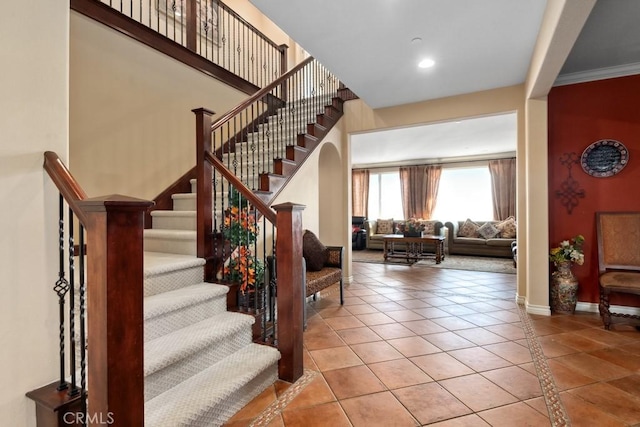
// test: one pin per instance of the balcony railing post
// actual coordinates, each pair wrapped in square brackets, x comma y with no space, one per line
[115,276]
[204,185]
[283,68]
[192,25]
[290,296]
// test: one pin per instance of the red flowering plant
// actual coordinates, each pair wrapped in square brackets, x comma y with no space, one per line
[241,230]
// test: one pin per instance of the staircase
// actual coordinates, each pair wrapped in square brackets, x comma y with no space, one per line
[201,366]
[200,363]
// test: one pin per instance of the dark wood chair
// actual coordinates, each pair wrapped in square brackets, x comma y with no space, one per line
[618,259]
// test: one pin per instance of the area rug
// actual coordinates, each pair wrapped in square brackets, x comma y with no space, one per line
[457,262]
[376,257]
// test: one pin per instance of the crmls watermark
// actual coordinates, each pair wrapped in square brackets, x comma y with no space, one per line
[82,418]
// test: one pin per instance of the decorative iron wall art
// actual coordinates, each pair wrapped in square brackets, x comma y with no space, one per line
[570,190]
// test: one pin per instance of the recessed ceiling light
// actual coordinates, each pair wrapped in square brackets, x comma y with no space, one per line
[426,63]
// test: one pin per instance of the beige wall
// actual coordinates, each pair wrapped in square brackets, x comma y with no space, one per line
[132,131]
[319,184]
[33,119]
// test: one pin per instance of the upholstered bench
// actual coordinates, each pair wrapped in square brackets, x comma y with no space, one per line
[322,267]
[330,274]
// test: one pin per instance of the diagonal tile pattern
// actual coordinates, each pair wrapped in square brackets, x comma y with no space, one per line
[418,346]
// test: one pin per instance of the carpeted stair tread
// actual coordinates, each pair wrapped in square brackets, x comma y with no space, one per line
[166,302]
[159,212]
[177,345]
[157,263]
[170,234]
[210,397]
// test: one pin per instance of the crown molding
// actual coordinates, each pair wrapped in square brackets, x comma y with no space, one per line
[598,74]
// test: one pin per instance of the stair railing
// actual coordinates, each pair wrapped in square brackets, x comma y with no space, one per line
[245,152]
[212,30]
[112,294]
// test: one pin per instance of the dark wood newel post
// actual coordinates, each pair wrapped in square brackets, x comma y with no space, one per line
[204,170]
[290,296]
[115,276]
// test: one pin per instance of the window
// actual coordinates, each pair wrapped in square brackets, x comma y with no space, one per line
[385,197]
[464,192]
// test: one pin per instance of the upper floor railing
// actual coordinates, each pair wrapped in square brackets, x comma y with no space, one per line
[212,30]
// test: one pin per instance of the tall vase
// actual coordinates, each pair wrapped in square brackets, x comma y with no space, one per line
[564,289]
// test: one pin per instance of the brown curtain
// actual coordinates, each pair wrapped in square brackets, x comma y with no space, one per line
[503,186]
[360,192]
[419,187]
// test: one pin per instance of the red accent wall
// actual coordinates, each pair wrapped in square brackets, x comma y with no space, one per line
[579,115]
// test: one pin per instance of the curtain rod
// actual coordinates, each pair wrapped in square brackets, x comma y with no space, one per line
[433,164]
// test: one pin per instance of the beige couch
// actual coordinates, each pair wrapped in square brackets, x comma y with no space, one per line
[497,246]
[374,238]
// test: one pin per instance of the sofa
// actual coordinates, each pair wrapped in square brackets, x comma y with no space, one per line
[481,238]
[375,231]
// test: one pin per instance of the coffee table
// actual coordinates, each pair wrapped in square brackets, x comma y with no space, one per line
[422,247]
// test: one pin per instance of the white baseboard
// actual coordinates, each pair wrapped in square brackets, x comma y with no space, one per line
[542,310]
[592,307]
[347,280]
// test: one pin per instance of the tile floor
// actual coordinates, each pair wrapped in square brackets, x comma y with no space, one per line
[421,346]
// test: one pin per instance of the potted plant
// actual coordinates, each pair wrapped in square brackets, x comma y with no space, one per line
[564,285]
[243,266]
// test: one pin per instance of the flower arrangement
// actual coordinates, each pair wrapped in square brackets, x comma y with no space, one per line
[569,250]
[413,226]
[244,268]
[241,230]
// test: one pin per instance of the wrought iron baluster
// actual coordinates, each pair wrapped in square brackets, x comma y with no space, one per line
[61,288]
[83,335]
[72,309]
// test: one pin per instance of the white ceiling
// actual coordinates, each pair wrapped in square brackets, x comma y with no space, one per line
[480,137]
[477,45]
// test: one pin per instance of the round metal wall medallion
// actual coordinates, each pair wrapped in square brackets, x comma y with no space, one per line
[605,157]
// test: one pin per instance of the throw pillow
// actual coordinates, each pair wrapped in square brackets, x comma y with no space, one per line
[313,251]
[429,226]
[507,228]
[488,230]
[384,226]
[468,229]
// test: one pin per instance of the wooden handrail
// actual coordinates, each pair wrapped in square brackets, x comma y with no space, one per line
[114,229]
[66,183]
[265,210]
[248,25]
[259,94]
